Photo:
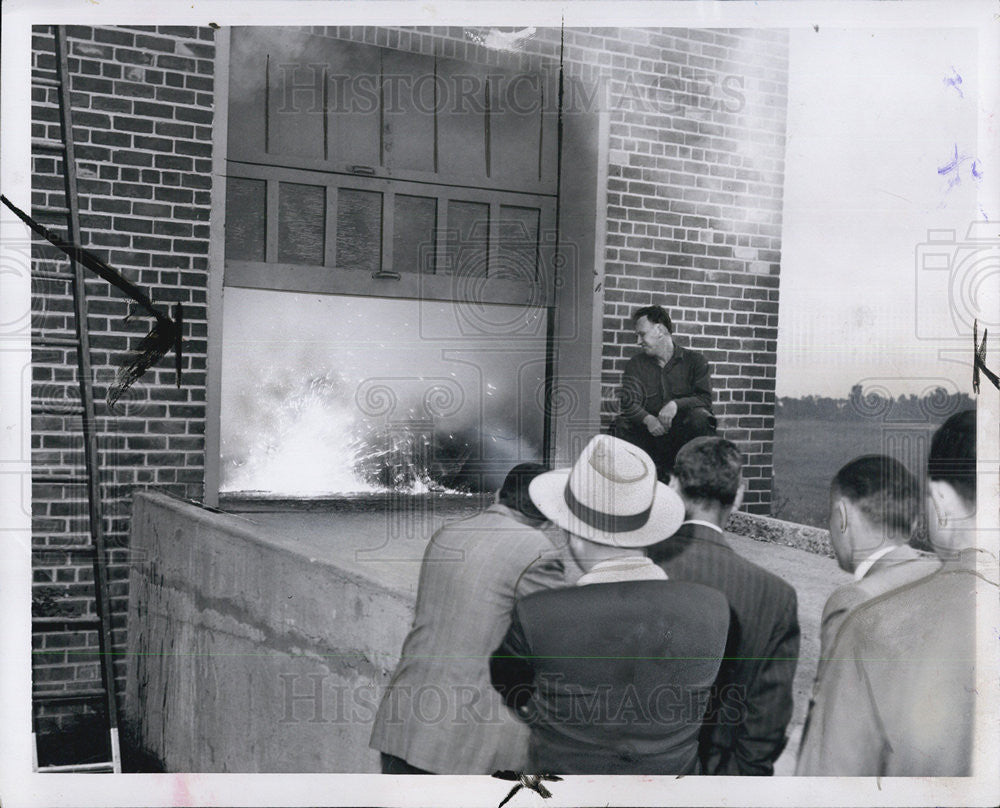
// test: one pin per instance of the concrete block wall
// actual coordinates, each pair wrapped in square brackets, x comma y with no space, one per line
[143,106]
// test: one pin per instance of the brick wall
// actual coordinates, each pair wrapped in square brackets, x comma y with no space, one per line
[142,100]
[694,214]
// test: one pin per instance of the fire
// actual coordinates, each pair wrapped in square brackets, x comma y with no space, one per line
[310,442]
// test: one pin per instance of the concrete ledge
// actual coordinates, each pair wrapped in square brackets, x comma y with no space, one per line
[250,650]
[777,531]
[262,642]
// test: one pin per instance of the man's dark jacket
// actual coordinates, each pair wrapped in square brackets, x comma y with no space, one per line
[646,387]
[745,724]
[613,678]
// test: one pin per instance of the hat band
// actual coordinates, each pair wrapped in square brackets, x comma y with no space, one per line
[606,522]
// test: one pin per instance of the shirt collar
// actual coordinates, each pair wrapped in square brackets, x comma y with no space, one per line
[675,356]
[703,523]
[865,566]
[624,568]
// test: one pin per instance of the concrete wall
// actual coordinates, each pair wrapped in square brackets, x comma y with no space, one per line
[254,653]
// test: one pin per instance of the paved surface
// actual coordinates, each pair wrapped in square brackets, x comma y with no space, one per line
[814,578]
[387,547]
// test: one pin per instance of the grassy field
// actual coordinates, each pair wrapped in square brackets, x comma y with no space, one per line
[808,452]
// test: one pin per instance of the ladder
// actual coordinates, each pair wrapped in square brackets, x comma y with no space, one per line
[90,478]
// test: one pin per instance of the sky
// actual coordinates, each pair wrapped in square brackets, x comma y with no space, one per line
[875,117]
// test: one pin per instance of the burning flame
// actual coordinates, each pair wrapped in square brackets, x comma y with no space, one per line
[310,440]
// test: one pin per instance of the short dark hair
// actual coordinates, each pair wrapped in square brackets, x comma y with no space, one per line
[708,469]
[953,454]
[882,489]
[655,314]
[514,491]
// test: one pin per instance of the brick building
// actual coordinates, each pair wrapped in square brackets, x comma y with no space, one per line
[659,167]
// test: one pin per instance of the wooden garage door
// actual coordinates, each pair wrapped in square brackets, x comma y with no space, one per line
[356,169]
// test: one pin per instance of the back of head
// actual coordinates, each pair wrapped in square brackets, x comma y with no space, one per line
[708,470]
[655,315]
[514,491]
[883,490]
[952,457]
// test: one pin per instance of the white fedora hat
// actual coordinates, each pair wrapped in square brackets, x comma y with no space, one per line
[610,496]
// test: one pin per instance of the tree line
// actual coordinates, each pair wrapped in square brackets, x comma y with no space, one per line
[875,404]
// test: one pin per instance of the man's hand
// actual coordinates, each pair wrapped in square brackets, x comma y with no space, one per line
[667,414]
[654,426]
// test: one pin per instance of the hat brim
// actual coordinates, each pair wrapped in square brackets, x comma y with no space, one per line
[548,493]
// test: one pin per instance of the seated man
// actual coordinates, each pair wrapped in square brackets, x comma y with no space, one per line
[471,573]
[874,502]
[898,693]
[613,674]
[666,392]
[751,705]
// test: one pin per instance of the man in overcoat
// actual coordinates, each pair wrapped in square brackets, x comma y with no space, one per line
[613,674]
[898,695]
[745,726]
[439,714]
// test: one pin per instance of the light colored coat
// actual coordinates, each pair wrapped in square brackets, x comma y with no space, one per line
[440,712]
[899,567]
[897,697]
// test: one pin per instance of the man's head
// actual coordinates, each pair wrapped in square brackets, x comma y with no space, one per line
[653,330]
[951,484]
[610,502]
[874,500]
[706,474]
[514,491]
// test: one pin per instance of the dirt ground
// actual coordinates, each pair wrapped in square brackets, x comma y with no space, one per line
[814,578]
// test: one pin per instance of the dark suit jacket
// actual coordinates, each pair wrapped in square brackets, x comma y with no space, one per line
[613,678]
[745,725]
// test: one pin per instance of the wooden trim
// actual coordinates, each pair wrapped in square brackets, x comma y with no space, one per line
[271,222]
[327,281]
[216,270]
[388,230]
[264,160]
[330,233]
[385,184]
[600,241]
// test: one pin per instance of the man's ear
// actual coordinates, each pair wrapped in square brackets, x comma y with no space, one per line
[947,503]
[739,496]
[675,485]
[841,511]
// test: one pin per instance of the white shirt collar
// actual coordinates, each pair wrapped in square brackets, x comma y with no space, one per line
[624,568]
[865,566]
[714,527]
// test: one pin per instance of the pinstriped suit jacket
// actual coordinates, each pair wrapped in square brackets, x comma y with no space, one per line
[744,728]
[440,712]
